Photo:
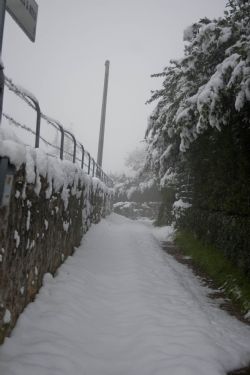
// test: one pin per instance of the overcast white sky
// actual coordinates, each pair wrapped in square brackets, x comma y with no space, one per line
[64,68]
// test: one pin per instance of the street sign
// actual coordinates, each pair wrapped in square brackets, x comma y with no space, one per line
[24,12]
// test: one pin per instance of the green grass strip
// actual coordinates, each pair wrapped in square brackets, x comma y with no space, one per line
[224,273]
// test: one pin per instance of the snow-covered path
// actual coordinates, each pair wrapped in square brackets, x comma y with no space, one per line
[121,306]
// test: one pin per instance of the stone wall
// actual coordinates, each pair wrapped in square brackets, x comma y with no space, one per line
[39,228]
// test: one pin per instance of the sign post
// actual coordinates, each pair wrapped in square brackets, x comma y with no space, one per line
[24,12]
[2,17]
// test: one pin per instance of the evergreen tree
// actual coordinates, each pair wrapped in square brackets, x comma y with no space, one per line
[204,89]
[199,133]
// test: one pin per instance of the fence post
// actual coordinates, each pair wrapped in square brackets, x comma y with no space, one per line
[62,139]
[38,123]
[74,141]
[62,144]
[89,163]
[1,90]
[38,117]
[58,125]
[82,155]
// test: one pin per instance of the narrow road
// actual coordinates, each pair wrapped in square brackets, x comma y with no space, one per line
[122,306]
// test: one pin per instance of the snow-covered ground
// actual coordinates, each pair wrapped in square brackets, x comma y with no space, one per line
[122,306]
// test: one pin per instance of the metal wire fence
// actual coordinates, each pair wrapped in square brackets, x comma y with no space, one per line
[64,145]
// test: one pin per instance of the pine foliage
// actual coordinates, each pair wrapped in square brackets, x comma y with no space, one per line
[204,89]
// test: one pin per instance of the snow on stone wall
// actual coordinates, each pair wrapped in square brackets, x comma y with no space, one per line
[52,204]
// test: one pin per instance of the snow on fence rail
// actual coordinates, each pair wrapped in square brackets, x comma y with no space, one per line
[74,150]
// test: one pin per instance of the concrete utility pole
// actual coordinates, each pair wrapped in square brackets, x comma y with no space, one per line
[103,115]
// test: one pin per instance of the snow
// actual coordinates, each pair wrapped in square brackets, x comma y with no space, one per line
[188,34]
[164,233]
[123,204]
[28,221]
[226,34]
[179,207]
[17,194]
[60,174]
[7,317]
[17,238]
[46,224]
[168,178]
[146,185]
[66,226]
[247,315]
[181,204]
[131,191]
[208,96]
[22,90]
[123,306]
[139,184]
[120,204]
[240,101]
[164,157]
[28,244]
